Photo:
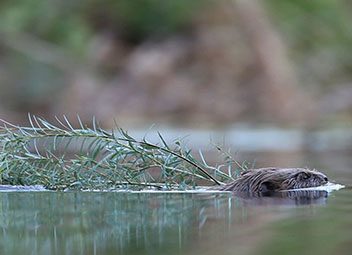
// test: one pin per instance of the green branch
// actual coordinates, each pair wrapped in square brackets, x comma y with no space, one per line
[47,154]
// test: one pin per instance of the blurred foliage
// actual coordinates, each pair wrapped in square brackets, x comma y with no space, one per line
[71,26]
[60,22]
[71,23]
[140,19]
[318,32]
[315,30]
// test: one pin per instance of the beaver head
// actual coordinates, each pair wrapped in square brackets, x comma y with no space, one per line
[265,180]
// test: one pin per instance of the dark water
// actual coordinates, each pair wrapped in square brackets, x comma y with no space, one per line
[127,223]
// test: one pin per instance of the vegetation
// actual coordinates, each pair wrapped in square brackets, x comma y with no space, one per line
[61,157]
[54,47]
[71,23]
[316,32]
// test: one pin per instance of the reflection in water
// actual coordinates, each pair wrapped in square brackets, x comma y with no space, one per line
[125,223]
[326,232]
[306,197]
[98,223]
[287,198]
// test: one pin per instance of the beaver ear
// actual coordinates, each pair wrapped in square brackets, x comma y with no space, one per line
[268,187]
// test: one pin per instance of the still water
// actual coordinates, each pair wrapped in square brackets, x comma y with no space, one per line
[127,223]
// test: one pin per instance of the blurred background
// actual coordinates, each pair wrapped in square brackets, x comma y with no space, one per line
[201,64]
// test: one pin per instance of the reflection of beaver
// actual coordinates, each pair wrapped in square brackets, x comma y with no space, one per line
[266,180]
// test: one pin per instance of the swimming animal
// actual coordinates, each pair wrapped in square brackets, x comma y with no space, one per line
[273,179]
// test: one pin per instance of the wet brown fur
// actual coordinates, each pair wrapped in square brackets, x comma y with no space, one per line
[273,179]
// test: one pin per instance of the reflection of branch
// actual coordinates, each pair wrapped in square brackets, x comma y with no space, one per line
[40,51]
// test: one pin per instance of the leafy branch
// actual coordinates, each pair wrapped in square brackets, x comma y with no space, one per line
[63,157]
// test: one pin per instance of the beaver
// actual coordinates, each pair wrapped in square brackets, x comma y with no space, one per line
[272,179]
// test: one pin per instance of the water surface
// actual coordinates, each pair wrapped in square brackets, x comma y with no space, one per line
[128,223]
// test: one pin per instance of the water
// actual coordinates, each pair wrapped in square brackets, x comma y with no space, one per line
[127,223]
